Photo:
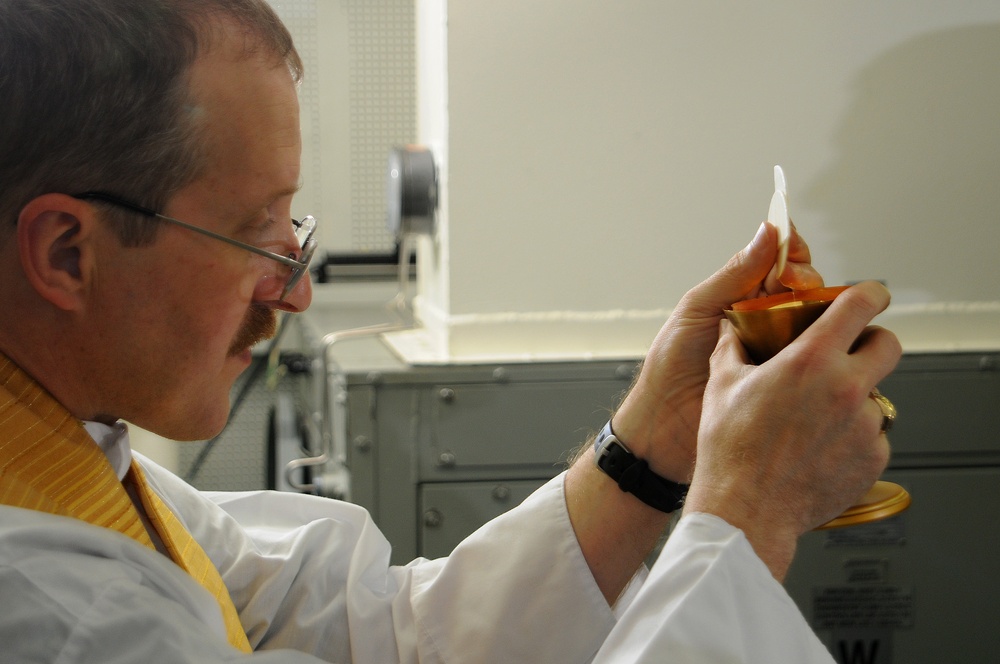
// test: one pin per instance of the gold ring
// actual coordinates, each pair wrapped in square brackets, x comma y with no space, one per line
[888,410]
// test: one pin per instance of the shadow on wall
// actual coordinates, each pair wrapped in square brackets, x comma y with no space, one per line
[915,183]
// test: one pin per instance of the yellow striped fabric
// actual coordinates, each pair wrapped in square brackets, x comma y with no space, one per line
[49,463]
[187,553]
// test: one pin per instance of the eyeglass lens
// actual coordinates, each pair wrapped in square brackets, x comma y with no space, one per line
[304,234]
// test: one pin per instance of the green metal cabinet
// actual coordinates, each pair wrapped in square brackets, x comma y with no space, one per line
[433,452]
[921,587]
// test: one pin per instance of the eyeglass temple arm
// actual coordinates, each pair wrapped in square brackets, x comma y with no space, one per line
[99,196]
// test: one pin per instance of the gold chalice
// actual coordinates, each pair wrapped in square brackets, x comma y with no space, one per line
[766,325]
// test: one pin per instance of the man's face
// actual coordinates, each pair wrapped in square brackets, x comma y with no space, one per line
[185,311]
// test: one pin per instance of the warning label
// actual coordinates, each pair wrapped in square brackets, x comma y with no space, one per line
[853,607]
[862,647]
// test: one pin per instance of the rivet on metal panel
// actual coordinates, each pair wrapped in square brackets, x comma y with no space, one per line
[446,460]
[433,518]
[447,394]
[362,443]
[500,375]
[624,371]
[501,493]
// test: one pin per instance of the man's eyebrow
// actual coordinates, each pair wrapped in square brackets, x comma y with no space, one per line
[284,192]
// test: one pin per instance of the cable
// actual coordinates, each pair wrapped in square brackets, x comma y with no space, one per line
[400,309]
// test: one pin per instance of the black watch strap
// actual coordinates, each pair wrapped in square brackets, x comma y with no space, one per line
[634,476]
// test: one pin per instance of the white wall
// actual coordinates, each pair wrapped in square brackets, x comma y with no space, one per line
[600,158]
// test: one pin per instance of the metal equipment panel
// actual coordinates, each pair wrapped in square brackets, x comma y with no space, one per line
[428,448]
[949,408]
[451,511]
[526,425]
[920,587]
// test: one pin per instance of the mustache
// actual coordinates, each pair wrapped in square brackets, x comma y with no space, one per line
[260,323]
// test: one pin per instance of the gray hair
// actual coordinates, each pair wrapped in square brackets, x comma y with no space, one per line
[94,97]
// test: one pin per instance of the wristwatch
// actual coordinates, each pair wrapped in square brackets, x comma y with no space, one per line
[634,476]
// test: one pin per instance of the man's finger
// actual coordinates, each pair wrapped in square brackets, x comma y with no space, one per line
[738,277]
[849,315]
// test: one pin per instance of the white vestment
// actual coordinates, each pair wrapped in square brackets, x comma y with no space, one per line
[311,579]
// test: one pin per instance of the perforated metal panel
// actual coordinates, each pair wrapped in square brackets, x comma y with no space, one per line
[302,19]
[382,39]
[344,158]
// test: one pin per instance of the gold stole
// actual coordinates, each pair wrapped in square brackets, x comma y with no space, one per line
[49,463]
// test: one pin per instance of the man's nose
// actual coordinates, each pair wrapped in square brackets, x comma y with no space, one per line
[271,286]
[299,298]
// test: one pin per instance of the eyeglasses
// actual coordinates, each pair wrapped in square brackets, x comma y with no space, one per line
[304,231]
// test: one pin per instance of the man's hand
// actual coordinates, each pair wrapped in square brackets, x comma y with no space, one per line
[788,445]
[660,416]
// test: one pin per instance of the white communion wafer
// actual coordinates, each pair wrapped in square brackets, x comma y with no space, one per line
[777,214]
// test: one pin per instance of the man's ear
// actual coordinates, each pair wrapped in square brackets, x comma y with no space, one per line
[55,233]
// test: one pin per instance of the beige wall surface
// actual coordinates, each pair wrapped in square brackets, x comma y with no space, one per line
[605,156]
